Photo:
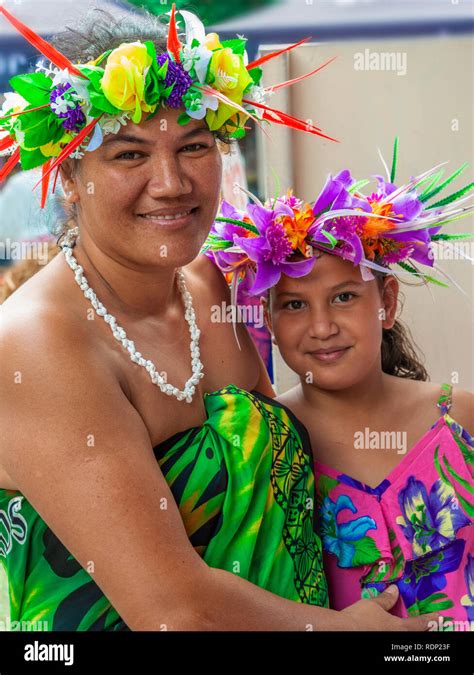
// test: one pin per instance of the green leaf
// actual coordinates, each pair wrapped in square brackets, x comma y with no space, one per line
[366,552]
[325,485]
[102,104]
[237,45]
[238,133]
[34,87]
[358,185]
[436,602]
[163,70]
[451,198]
[466,484]
[255,74]
[394,160]
[101,58]
[450,237]
[428,194]
[31,158]
[240,223]
[183,119]
[332,239]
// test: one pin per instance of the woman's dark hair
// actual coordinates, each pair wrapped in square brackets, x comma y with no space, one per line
[399,351]
[98,30]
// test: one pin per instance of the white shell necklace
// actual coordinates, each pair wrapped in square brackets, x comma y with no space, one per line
[119,334]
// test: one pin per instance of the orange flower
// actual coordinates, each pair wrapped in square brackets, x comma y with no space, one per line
[296,228]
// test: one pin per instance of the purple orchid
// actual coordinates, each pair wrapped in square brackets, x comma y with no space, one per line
[228,260]
[429,521]
[468,600]
[272,248]
[426,576]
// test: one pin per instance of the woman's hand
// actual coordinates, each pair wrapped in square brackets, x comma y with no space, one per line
[373,614]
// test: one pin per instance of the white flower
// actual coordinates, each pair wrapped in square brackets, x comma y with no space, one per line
[50,70]
[61,105]
[13,103]
[210,102]
[257,94]
[62,77]
[111,124]
[197,57]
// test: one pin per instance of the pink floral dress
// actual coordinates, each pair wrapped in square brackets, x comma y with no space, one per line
[415,529]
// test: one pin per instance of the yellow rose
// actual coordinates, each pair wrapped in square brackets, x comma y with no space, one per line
[211,41]
[229,76]
[123,82]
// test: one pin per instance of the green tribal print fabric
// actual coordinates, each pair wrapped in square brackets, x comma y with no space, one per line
[244,485]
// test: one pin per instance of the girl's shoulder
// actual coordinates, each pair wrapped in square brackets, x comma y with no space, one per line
[431,395]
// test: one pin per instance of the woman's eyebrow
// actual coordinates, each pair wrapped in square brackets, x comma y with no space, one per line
[130,138]
[127,138]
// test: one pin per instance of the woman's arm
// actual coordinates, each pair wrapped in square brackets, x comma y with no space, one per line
[80,453]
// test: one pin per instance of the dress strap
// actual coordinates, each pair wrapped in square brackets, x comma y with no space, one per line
[445,401]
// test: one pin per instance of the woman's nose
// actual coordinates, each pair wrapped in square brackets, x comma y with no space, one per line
[168,180]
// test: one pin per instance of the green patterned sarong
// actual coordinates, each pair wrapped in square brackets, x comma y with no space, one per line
[244,485]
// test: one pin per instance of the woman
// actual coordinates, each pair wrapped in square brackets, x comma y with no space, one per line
[84,496]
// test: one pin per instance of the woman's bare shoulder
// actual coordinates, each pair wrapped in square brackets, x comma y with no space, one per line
[209,275]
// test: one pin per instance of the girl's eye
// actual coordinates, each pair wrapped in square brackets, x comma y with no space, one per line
[345,297]
[129,155]
[293,305]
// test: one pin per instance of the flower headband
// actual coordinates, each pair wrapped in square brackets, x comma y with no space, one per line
[391,226]
[66,108]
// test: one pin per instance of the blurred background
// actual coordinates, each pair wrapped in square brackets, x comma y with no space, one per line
[403,67]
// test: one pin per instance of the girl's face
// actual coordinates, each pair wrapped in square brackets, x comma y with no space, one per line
[129,188]
[328,325]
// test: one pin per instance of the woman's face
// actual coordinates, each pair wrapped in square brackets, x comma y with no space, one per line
[328,325]
[149,194]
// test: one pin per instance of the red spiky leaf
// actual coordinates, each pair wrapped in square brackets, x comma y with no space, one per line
[70,147]
[9,165]
[272,55]
[44,182]
[280,117]
[6,142]
[55,180]
[41,45]
[287,83]
[173,44]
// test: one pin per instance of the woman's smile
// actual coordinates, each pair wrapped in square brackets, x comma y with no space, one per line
[170,219]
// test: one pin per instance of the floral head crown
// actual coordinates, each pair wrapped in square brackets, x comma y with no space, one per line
[391,226]
[63,109]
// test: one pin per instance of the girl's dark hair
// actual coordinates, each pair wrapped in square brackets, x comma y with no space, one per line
[399,351]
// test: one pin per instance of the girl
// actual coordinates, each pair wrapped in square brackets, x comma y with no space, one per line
[393,457]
